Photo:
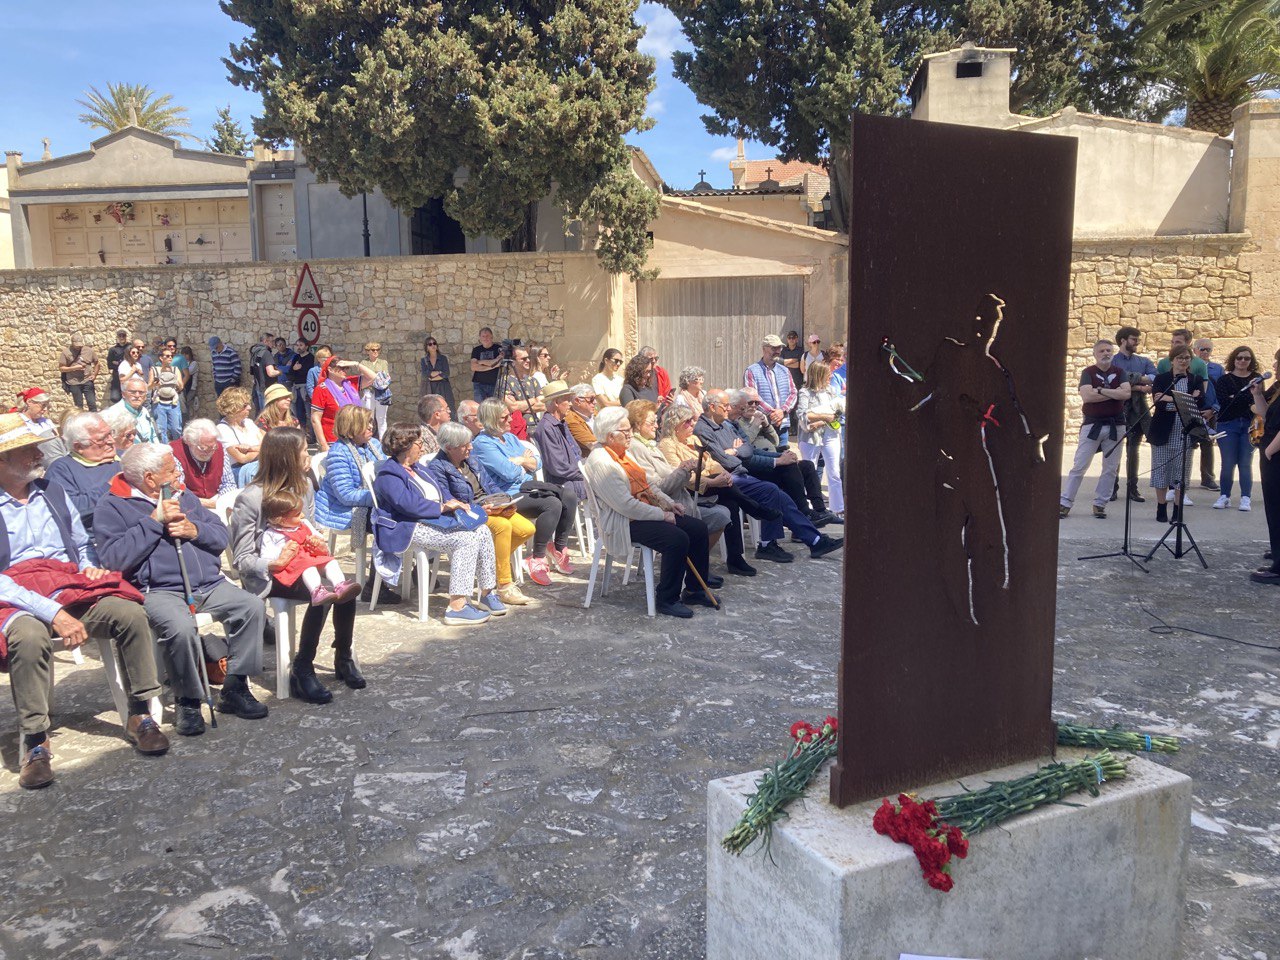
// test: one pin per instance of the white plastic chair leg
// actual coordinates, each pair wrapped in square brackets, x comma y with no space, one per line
[646,557]
[426,580]
[753,532]
[724,550]
[591,576]
[286,642]
[115,682]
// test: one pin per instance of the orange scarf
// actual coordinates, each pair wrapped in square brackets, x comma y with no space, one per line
[635,475]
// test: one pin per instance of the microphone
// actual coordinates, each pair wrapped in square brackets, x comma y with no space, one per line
[1262,379]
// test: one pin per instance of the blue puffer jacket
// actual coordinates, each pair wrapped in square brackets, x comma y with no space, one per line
[342,489]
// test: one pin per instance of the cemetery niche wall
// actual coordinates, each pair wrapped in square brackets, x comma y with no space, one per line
[960,259]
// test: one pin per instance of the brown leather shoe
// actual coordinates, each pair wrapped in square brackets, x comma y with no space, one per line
[36,771]
[146,737]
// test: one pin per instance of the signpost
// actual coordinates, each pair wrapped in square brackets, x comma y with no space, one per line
[309,326]
[306,294]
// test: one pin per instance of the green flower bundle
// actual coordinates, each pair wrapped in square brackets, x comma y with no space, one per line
[976,810]
[783,783]
[1073,735]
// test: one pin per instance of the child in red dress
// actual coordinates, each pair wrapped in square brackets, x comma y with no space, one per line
[295,551]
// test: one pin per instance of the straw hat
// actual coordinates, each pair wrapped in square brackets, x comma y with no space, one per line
[555,390]
[275,392]
[15,432]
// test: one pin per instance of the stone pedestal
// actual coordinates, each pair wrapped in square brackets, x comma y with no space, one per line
[1103,880]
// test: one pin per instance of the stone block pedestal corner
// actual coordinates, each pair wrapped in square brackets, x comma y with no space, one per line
[1102,880]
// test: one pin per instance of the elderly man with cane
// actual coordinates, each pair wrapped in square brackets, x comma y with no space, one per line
[170,547]
[51,587]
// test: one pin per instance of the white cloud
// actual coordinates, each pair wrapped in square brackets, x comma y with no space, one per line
[724,154]
[662,31]
[655,105]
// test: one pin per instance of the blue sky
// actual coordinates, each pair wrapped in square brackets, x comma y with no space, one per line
[56,53]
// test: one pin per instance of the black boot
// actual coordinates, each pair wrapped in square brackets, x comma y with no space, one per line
[1162,513]
[344,665]
[237,698]
[304,686]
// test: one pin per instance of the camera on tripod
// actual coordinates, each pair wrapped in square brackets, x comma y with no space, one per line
[506,347]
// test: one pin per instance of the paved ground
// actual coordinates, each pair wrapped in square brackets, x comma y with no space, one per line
[535,788]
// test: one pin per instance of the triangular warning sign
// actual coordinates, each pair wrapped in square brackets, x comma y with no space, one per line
[306,293]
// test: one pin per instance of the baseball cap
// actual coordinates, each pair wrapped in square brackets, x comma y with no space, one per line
[214,341]
[814,338]
[34,394]
[772,340]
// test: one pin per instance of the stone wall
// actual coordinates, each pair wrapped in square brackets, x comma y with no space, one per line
[1158,284]
[396,301]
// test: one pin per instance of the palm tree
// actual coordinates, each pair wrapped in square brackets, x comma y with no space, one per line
[1238,14]
[134,104]
[1214,66]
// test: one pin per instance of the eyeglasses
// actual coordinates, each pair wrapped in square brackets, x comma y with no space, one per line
[432,343]
[753,403]
[1204,349]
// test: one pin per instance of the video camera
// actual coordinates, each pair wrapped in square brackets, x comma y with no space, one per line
[507,346]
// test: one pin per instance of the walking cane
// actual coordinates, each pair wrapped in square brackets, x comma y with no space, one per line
[198,654]
[689,563]
[697,483]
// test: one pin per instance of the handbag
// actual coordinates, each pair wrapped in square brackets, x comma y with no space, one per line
[458,520]
[382,388]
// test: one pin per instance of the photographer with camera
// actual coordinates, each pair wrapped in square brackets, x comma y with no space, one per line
[520,389]
[1141,373]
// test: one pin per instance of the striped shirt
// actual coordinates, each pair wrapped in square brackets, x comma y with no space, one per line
[226,365]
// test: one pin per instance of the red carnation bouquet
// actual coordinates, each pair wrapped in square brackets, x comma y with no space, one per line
[813,745]
[917,824]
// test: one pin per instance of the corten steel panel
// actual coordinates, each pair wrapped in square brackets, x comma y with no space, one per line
[946,219]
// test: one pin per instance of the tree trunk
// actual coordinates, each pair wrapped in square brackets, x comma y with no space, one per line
[1213,115]
[838,171]
[525,239]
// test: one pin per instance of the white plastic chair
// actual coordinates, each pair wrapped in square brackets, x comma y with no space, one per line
[358,550]
[646,559]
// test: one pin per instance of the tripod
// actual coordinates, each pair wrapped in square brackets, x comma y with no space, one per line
[1192,428]
[1126,549]
[502,387]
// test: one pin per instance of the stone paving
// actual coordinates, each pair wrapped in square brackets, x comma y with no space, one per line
[535,788]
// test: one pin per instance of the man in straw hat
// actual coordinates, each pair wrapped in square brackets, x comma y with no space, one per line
[43,552]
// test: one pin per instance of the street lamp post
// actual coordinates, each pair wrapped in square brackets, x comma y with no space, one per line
[364,204]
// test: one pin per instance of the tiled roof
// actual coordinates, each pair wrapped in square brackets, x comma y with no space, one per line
[784,172]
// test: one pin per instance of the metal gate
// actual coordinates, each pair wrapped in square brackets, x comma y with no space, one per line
[717,323]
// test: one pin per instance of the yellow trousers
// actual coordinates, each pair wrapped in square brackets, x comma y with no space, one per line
[508,534]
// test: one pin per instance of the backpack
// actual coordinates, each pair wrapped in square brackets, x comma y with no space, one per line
[258,358]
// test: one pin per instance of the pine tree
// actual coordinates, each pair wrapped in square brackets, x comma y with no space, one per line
[790,73]
[228,135]
[134,103]
[490,105]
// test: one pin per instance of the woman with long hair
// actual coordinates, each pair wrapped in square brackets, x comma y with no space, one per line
[282,466]
[607,383]
[1234,419]
[637,380]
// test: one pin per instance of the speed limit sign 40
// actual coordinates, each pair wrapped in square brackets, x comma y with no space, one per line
[309,326]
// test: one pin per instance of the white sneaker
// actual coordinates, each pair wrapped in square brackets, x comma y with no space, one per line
[1186,500]
[1222,503]
[1168,497]
[1245,505]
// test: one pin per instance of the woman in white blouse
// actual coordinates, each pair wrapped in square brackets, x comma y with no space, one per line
[239,435]
[608,382]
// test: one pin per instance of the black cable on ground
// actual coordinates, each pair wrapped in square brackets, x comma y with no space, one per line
[1164,628]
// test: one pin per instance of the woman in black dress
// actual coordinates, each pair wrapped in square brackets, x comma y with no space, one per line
[433,369]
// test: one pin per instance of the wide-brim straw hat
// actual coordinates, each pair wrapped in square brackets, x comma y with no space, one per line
[15,432]
[275,392]
[555,390]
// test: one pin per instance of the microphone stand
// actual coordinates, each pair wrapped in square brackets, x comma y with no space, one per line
[1126,548]
[1178,526]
